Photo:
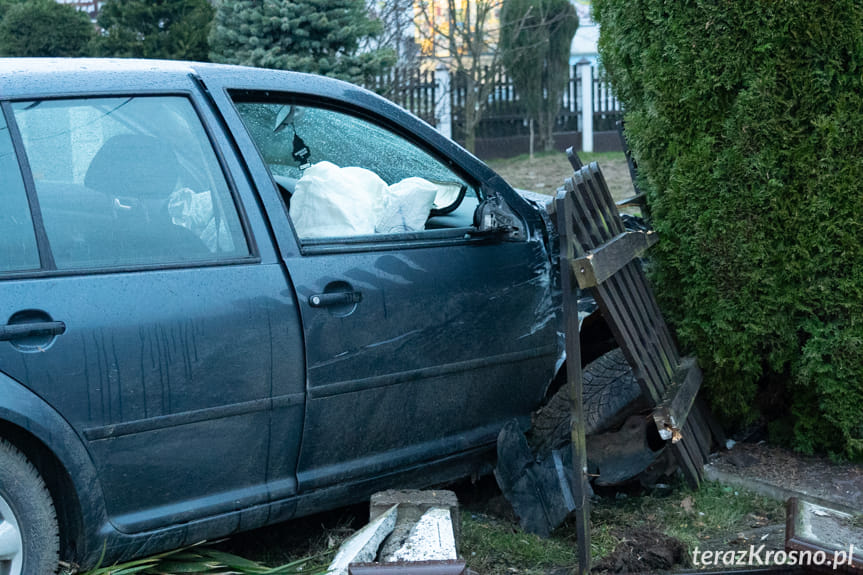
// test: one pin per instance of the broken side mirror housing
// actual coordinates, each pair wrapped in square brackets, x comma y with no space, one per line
[493,216]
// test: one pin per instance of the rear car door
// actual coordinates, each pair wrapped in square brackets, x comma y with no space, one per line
[422,339]
[142,310]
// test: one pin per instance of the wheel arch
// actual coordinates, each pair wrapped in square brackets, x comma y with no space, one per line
[595,340]
[52,446]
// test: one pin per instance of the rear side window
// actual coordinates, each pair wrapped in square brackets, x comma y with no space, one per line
[17,239]
[128,181]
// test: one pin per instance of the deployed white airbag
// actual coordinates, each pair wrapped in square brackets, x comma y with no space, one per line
[330,201]
[406,206]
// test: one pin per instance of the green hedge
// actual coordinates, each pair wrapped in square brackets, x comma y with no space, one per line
[746,117]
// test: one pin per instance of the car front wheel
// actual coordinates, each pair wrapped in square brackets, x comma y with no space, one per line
[29,536]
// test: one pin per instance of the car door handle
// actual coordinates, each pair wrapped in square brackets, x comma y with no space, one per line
[18,330]
[335,298]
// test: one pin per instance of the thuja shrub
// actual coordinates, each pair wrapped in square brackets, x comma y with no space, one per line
[746,118]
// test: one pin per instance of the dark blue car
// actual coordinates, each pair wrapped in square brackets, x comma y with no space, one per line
[233,296]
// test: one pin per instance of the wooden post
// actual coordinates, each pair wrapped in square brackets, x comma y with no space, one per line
[565,214]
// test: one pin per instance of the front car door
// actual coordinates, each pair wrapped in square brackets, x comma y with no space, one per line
[422,339]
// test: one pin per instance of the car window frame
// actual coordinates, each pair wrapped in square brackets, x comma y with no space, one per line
[371,242]
[48,267]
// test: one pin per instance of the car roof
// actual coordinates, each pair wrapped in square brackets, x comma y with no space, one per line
[46,77]
[37,78]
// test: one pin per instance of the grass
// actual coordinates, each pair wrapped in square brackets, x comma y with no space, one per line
[203,559]
[491,545]
[692,515]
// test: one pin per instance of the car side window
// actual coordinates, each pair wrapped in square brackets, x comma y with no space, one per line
[18,249]
[128,181]
[344,176]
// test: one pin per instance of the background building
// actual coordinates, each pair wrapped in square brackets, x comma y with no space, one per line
[91,7]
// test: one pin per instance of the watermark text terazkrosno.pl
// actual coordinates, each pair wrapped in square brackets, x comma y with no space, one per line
[755,556]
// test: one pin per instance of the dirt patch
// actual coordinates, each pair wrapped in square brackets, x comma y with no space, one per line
[546,172]
[644,549]
[818,477]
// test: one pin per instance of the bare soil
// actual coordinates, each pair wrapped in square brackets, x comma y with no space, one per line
[838,483]
[546,172]
[643,549]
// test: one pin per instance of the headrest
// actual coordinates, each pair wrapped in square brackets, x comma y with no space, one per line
[133,165]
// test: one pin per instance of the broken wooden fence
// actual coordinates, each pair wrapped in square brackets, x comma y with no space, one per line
[600,254]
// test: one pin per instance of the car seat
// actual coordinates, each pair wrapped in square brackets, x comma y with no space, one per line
[138,173]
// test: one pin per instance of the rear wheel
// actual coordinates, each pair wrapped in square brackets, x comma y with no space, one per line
[29,535]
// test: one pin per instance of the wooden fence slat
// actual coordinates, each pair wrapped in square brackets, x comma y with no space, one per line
[671,414]
[625,334]
[589,216]
[645,293]
[586,232]
[716,432]
[641,294]
[647,352]
[604,196]
[702,436]
[606,260]
[693,461]
[650,350]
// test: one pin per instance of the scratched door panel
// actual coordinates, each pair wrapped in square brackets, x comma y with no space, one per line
[167,376]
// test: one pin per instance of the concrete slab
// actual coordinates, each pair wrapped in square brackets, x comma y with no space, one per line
[430,539]
[412,504]
[362,546]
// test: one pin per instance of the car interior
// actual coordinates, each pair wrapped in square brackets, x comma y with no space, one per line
[292,139]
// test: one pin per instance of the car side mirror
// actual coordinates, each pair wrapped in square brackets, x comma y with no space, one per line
[493,216]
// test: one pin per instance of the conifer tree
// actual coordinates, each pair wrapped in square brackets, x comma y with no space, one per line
[535,41]
[43,28]
[317,36]
[168,29]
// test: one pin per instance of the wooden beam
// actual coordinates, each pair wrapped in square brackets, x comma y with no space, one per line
[638,200]
[603,262]
[671,413]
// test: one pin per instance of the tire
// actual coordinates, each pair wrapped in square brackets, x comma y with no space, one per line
[29,534]
[610,394]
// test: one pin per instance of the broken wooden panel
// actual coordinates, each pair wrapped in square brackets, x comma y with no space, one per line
[603,255]
[363,545]
[431,538]
[427,545]
[412,504]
